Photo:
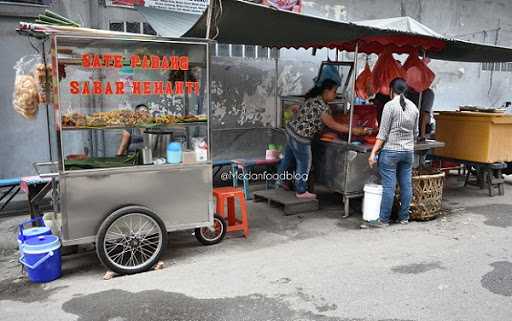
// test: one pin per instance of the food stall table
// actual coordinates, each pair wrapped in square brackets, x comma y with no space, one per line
[488,175]
[343,167]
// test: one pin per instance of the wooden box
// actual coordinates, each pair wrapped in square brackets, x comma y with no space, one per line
[475,136]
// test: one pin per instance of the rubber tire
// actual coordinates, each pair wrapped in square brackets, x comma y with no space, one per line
[100,237]
[202,240]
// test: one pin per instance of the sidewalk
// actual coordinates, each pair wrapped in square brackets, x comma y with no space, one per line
[314,266]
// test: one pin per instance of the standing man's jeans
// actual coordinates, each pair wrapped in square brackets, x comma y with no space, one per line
[301,154]
[393,165]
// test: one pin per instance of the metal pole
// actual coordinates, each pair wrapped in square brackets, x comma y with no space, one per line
[209,18]
[353,94]
[421,93]
[48,95]
[348,153]
[276,89]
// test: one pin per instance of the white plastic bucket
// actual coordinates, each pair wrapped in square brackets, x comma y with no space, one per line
[371,202]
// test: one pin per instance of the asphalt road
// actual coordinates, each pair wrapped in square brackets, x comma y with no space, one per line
[313,266]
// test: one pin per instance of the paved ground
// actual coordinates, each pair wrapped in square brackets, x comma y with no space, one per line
[308,267]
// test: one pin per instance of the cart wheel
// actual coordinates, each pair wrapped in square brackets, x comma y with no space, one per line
[207,236]
[131,240]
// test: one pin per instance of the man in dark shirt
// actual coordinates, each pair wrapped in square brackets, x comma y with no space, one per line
[427,101]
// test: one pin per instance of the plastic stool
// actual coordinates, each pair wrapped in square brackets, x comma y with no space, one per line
[227,195]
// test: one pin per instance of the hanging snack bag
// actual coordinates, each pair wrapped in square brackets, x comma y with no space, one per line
[26,94]
[43,77]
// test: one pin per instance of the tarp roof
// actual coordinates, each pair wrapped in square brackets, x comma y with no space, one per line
[403,24]
[169,23]
[241,22]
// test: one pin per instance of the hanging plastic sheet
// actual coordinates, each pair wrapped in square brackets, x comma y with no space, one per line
[419,76]
[385,70]
[364,83]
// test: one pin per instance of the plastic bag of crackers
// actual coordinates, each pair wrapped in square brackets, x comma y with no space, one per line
[31,85]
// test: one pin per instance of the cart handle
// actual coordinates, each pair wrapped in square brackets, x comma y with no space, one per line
[38,165]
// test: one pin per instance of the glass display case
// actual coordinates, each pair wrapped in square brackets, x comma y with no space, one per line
[120,100]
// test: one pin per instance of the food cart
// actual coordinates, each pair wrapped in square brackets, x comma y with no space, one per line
[123,204]
[341,164]
[338,164]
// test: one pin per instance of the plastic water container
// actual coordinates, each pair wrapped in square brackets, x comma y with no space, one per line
[27,233]
[41,257]
[174,153]
[371,202]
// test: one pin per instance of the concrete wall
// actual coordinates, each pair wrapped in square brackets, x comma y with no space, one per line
[26,141]
[22,141]
[243,92]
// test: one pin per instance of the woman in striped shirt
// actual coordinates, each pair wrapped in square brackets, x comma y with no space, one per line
[395,141]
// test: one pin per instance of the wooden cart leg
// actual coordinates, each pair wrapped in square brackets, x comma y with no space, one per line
[488,177]
[346,205]
[482,177]
[468,174]
[501,186]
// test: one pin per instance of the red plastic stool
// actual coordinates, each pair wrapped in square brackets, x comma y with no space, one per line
[227,195]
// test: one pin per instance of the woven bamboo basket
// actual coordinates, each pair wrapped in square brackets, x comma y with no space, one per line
[427,194]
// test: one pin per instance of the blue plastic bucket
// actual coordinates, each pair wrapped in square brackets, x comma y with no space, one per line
[42,258]
[28,233]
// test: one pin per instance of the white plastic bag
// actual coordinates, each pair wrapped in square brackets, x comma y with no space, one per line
[31,85]
[200,148]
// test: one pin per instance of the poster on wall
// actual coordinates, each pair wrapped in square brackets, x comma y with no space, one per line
[184,6]
[286,5]
[198,6]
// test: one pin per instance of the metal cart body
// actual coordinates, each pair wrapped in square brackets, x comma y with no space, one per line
[342,168]
[180,195]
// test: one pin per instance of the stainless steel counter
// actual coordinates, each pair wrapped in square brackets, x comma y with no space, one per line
[181,195]
[365,148]
[343,167]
